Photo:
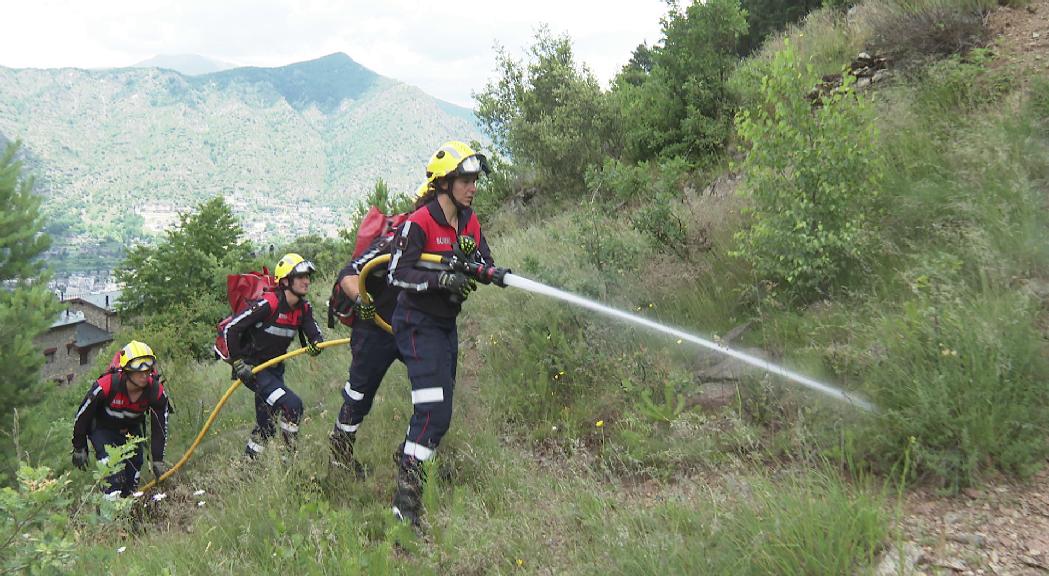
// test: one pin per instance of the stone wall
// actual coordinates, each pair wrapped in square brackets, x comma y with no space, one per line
[61,358]
[107,321]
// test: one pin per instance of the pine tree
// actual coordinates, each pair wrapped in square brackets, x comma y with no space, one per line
[27,306]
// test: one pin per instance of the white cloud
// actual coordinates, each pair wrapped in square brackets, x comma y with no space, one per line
[445,49]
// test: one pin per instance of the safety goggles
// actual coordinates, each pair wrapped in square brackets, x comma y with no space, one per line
[303,268]
[473,165]
[141,364]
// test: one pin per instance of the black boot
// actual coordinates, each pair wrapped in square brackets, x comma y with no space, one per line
[255,447]
[342,454]
[407,501]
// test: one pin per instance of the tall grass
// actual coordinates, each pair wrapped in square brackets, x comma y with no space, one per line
[955,355]
[814,524]
[913,32]
[961,379]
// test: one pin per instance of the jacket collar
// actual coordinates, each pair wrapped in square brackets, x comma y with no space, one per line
[437,213]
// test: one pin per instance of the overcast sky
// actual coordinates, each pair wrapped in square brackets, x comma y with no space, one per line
[445,48]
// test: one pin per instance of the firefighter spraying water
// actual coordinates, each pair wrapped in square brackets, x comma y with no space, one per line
[435,257]
[503,277]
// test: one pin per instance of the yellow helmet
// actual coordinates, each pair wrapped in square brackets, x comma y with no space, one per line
[291,264]
[137,357]
[422,190]
[454,158]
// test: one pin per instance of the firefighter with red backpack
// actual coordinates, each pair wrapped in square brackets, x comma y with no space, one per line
[374,349]
[263,331]
[117,406]
[424,321]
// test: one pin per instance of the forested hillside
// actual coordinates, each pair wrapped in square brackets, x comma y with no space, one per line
[118,153]
[858,196]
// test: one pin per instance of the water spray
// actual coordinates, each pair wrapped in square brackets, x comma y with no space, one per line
[504,277]
[525,284]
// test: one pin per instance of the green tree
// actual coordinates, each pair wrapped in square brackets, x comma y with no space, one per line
[766,17]
[181,281]
[813,176]
[638,68]
[682,107]
[549,115]
[27,306]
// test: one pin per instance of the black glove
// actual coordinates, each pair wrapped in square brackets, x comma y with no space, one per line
[160,468]
[80,458]
[312,349]
[242,370]
[457,283]
[364,311]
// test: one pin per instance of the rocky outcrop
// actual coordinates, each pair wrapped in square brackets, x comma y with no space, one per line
[866,69]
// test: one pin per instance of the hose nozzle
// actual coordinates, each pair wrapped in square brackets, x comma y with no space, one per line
[489,274]
[483,273]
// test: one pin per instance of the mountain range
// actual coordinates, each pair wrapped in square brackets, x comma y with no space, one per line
[118,153]
[188,64]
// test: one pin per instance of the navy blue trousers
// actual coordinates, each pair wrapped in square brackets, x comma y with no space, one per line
[273,397]
[374,351]
[124,480]
[429,347]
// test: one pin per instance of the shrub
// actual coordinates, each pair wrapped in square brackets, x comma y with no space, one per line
[813,177]
[604,246]
[546,364]
[659,221]
[619,182]
[916,31]
[962,378]
[495,189]
[39,519]
[823,39]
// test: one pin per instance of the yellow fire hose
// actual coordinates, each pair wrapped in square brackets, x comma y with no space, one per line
[382,323]
[222,402]
[382,261]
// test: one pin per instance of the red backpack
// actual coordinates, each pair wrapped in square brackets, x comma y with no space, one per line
[241,290]
[373,225]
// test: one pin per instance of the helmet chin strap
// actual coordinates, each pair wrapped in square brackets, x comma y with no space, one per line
[287,284]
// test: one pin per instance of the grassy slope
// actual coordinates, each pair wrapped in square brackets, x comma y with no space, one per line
[527,481]
[523,484]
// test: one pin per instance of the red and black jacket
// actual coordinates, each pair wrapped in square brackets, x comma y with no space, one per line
[384,296]
[427,230]
[270,324]
[107,405]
